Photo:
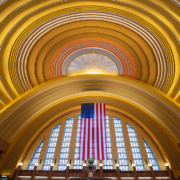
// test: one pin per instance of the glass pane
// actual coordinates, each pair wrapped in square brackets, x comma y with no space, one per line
[64,154]
[35,156]
[151,157]
[135,148]
[108,164]
[51,148]
[121,149]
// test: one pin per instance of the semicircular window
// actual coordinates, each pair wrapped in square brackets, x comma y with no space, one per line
[92,63]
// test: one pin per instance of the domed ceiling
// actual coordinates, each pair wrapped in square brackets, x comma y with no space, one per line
[131,47]
[39,40]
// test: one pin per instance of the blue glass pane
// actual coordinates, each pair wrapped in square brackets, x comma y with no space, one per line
[64,154]
[135,148]
[151,157]
[51,148]
[121,149]
[108,164]
[31,167]
[35,156]
[77,164]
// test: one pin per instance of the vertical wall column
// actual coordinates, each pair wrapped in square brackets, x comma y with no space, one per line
[152,172]
[43,150]
[34,173]
[15,177]
[118,173]
[135,173]
[143,151]
[50,173]
[67,172]
[84,171]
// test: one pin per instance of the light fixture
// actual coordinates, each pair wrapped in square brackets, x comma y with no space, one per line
[150,164]
[133,165]
[117,165]
[36,164]
[101,164]
[166,164]
[68,164]
[20,164]
[5,176]
[52,164]
[84,164]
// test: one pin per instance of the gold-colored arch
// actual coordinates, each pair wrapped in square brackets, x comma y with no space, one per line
[30,114]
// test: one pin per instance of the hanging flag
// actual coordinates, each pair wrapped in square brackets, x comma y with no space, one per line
[93,132]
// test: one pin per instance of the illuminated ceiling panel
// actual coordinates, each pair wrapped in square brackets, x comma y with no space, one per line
[92,63]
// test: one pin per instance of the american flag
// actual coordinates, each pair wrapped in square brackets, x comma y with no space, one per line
[93,132]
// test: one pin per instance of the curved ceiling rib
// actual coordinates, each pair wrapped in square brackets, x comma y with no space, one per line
[61,56]
[161,58]
[163,79]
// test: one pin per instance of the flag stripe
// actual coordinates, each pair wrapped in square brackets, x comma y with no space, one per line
[91,144]
[104,140]
[97,125]
[84,139]
[95,133]
[105,131]
[101,120]
[88,148]
[80,138]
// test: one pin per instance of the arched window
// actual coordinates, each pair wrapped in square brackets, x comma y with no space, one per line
[135,148]
[51,148]
[121,143]
[108,164]
[35,156]
[64,154]
[121,148]
[151,157]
